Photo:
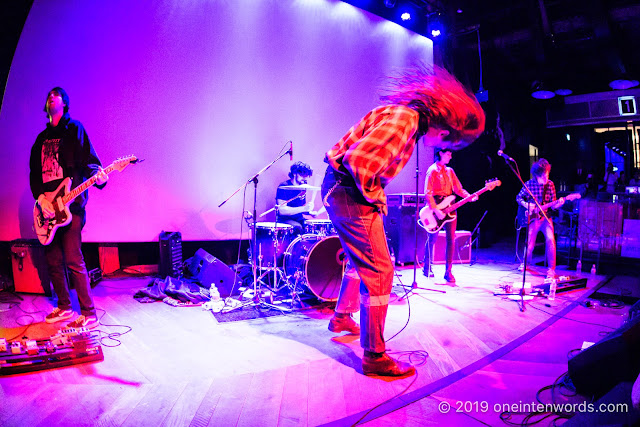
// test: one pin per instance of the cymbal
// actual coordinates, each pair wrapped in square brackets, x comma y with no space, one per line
[300,187]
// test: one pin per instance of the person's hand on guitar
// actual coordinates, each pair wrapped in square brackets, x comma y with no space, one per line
[101,177]
[46,207]
[439,214]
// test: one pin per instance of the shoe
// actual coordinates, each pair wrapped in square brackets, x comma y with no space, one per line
[339,324]
[449,277]
[386,366]
[521,267]
[81,321]
[551,274]
[57,315]
[428,274]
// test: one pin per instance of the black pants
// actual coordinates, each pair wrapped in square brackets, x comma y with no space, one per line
[66,249]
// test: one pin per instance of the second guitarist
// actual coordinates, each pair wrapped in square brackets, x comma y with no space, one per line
[544,190]
[441,181]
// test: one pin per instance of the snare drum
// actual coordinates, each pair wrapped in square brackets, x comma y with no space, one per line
[321,227]
[271,239]
[318,262]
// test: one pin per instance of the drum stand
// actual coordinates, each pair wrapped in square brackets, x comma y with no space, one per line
[256,299]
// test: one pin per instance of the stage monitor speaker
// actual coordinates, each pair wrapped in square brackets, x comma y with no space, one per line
[30,272]
[399,225]
[170,254]
[462,254]
[208,270]
[614,359]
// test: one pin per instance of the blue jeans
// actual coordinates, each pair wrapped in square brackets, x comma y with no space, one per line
[369,273]
[66,249]
[541,224]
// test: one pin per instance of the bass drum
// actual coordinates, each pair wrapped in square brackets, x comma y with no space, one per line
[318,263]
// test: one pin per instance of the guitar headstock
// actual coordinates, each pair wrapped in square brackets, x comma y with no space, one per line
[122,162]
[492,183]
[573,196]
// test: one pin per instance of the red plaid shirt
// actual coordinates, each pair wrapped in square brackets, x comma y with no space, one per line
[376,149]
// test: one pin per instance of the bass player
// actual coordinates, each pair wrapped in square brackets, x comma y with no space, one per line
[441,181]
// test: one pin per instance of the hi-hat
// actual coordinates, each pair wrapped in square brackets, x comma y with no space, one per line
[299,187]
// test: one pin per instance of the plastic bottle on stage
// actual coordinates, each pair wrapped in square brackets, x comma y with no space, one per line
[593,270]
[579,266]
[552,290]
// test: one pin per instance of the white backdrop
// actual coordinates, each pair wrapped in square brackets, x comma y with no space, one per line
[207,92]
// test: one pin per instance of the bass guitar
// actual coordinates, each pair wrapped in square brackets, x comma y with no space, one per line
[61,198]
[432,220]
[523,218]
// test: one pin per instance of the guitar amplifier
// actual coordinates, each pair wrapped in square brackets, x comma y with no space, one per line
[170,254]
[462,252]
[30,271]
[405,199]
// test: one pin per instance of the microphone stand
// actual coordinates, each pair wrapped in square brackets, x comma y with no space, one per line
[255,300]
[516,172]
[414,285]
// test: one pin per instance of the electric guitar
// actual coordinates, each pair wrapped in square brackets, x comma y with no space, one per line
[61,198]
[523,217]
[432,221]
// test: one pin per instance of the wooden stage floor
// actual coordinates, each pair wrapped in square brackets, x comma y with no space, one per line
[178,366]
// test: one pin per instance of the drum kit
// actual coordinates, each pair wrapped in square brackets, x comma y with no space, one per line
[313,261]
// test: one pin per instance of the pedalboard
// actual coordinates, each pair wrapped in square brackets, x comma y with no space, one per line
[68,347]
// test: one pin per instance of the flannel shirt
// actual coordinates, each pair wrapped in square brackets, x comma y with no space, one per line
[375,150]
[543,193]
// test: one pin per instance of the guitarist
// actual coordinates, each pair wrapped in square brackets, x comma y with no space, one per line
[544,191]
[441,181]
[63,150]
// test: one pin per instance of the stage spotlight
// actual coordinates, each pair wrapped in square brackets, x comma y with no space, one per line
[405,16]
[390,3]
[436,25]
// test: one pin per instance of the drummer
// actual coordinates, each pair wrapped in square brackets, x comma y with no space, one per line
[293,206]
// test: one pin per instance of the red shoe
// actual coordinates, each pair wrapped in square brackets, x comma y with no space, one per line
[339,324]
[386,366]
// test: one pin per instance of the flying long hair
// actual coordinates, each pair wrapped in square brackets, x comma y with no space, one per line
[442,101]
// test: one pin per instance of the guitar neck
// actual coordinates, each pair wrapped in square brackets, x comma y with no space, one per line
[467,199]
[71,195]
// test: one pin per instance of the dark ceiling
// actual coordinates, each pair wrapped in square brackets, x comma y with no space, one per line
[580,45]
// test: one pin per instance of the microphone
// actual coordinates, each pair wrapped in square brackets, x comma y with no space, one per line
[505,156]
[291,151]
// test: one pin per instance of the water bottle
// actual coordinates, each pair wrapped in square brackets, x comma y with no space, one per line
[214,294]
[579,266]
[593,270]
[552,290]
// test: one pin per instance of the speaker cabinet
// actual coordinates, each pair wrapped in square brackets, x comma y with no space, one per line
[614,359]
[400,227]
[30,272]
[170,254]
[209,270]
[462,253]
